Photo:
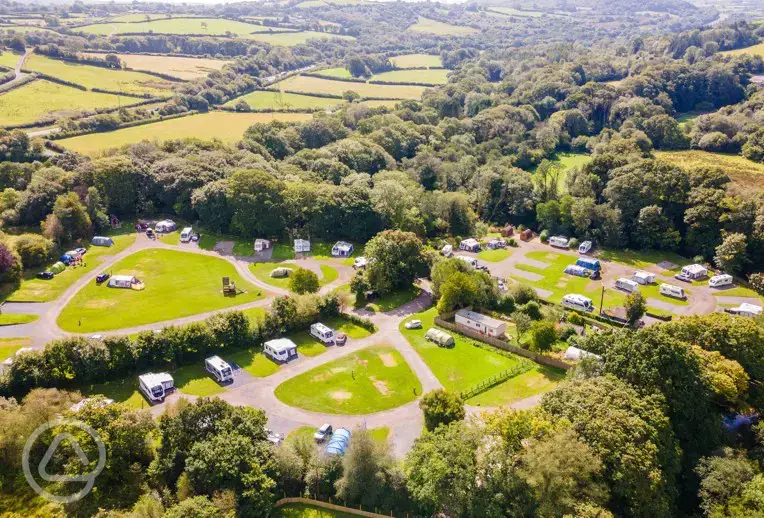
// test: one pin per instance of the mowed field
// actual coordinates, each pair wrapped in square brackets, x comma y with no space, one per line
[272,100]
[211,26]
[225,126]
[756,50]
[175,66]
[416,60]
[305,84]
[137,17]
[440,28]
[742,171]
[9,59]
[35,100]
[288,39]
[433,76]
[97,77]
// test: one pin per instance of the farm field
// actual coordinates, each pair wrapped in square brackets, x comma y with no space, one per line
[175,66]
[755,50]
[272,100]
[137,17]
[435,76]
[9,346]
[177,284]
[38,99]
[416,60]
[9,59]
[289,39]
[744,172]
[225,126]
[308,4]
[510,11]
[370,380]
[97,77]
[440,28]
[23,29]
[308,85]
[338,72]
[210,26]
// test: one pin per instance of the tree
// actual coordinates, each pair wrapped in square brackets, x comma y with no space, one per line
[196,507]
[636,306]
[33,249]
[441,407]
[350,95]
[543,335]
[257,202]
[366,472]
[722,478]
[303,280]
[113,61]
[395,259]
[73,217]
[522,323]
[10,264]
[731,253]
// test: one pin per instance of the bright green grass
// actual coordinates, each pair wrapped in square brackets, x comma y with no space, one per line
[208,240]
[462,366]
[137,17]
[195,381]
[170,238]
[39,290]
[746,173]
[440,29]
[306,344]
[122,391]
[211,26]
[308,4]
[254,362]
[494,256]
[339,72]
[282,252]
[22,29]
[225,126]
[538,380]
[393,300]
[737,291]
[272,100]
[9,59]
[378,434]
[566,162]
[322,251]
[308,511]
[643,259]
[317,85]
[38,99]
[653,291]
[370,380]
[9,346]
[10,319]
[254,315]
[263,272]
[416,60]
[328,275]
[98,77]
[755,50]
[289,39]
[435,76]
[177,284]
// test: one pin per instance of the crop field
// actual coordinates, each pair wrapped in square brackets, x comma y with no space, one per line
[755,50]
[225,126]
[175,66]
[211,26]
[339,72]
[138,17]
[370,380]
[416,60]
[97,77]
[272,100]
[289,39]
[305,84]
[440,28]
[9,59]
[435,76]
[177,284]
[744,172]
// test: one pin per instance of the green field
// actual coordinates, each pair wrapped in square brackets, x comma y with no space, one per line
[39,290]
[177,284]
[317,85]
[9,59]
[211,26]
[9,346]
[194,380]
[416,60]
[308,4]
[440,28]
[289,39]
[137,17]
[253,361]
[565,162]
[23,29]
[370,380]
[338,72]
[12,319]
[435,76]
[744,172]
[308,511]
[228,127]
[535,381]
[393,300]
[98,77]
[275,101]
[307,345]
[175,66]
[642,259]
[494,256]
[263,270]
[509,11]
[38,99]
[122,391]
[755,50]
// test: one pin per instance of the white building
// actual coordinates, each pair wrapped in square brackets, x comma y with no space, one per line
[301,246]
[470,245]
[481,323]
[342,249]
[695,271]
[280,349]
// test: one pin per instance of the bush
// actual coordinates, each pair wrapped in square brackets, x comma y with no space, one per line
[573,243]
[10,264]
[441,407]
[303,281]
[512,242]
[544,236]
[522,293]
[757,282]
[361,322]
[506,304]
[576,319]
[565,332]
[532,309]
[543,335]
[34,249]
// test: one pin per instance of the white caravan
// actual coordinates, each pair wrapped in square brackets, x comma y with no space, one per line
[585,247]
[469,260]
[322,333]
[156,386]
[559,241]
[280,349]
[219,369]
[579,302]
[626,285]
[670,290]
[717,281]
[185,234]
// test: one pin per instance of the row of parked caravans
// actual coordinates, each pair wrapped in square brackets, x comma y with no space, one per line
[156,386]
[564,242]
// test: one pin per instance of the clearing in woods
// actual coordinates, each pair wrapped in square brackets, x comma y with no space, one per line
[316,85]
[225,126]
[744,172]
[440,28]
[274,101]
[755,50]
[416,61]
[434,76]
[174,66]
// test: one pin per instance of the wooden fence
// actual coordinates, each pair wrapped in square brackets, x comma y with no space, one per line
[329,507]
[494,380]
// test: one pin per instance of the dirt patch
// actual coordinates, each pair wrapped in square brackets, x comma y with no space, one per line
[561,284]
[592,285]
[341,395]
[533,277]
[665,306]
[337,370]
[224,247]
[381,386]
[99,304]
[388,360]
[667,265]
[363,363]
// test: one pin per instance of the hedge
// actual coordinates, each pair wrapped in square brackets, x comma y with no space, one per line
[332,78]
[68,134]
[56,80]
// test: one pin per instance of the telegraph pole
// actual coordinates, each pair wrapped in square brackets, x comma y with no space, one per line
[602,298]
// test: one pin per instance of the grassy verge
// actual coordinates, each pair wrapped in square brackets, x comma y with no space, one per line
[11,319]
[194,380]
[393,300]
[538,380]
[254,362]
[9,346]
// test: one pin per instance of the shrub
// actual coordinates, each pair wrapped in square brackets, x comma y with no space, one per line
[303,281]
[10,264]
[544,236]
[573,243]
[715,142]
[34,249]
[441,407]
[543,335]
[757,282]
[512,242]
[532,309]
[506,304]
[565,332]
[522,293]
[576,319]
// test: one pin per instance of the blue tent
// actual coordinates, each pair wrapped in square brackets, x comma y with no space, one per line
[66,259]
[338,443]
[592,264]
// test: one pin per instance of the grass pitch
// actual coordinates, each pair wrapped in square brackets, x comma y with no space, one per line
[273,100]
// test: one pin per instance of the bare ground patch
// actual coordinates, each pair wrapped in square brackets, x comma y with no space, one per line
[381,386]
[98,304]
[533,277]
[341,395]
[537,264]
[388,360]
[665,306]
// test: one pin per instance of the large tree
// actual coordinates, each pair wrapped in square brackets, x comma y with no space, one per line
[395,259]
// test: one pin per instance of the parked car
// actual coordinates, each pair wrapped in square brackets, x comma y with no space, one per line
[683,277]
[273,437]
[195,236]
[102,277]
[502,285]
[595,275]
[150,233]
[413,324]
[81,251]
[340,339]
[323,432]
[47,275]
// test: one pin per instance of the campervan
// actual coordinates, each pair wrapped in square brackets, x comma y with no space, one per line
[579,302]
[717,281]
[585,247]
[670,290]
[280,349]
[469,260]
[559,241]
[626,285]
[322,333]
[156,386]
[219,368]
[447,250]
[185,235]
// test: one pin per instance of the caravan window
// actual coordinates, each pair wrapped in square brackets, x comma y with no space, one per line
[156,391]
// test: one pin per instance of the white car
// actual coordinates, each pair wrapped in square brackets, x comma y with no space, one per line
[413,324]
[502,285]
[273,437]
[323,432]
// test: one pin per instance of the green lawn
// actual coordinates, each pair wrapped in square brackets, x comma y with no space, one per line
[416,60]
[11,319]
[338,72]
[254,362]
[736,291]
[282,252]
[210,26]
[122,391]
[263,272]
[642,259]
[566,162]
[308,511]
[309,346]
[370,380]
[276,101]
[194,380]
[535,381]
[345,326]
[435,76]
[328,274]
[393,300]
[177,284]
[9,346]
[378,434]
[494,256]
[208,240]
[39,290]
[254,314]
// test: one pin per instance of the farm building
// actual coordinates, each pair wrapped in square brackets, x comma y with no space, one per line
[575,354]
[441,338]
[746,310]
[339,442]
[481,323]
[342,249]
[123,281]
[643,278]
[578,271]
[102,241]
[301,246]
[695,271]
[469,245]
[166,225]
[262,244]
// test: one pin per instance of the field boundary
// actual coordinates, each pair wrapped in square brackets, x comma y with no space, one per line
[64,135]
[496,379]
[332,96]
[328,506]
[333,78]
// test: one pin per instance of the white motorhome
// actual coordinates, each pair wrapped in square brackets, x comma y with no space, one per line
[219,368]
[185,234]
[360,262]
[447,250]
[469,260]
[717,281]
[670,290]
[322,333]
[559,241]
[695,271]
[585,247]
[576,301]
[156,386]
[280,349]
[626,285]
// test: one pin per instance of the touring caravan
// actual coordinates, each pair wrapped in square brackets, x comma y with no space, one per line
[185,234]
[746,309]
[219,369]
[579,302]
[670,290]
[643,278]
[447,250]
[280,349]
[469,260]
[322,333]
[695,271]
[156,386]
[585,247]
[717,281]
[626,285]
[559,241]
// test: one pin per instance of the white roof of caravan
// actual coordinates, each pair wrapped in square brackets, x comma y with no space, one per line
[187,229]
[695,268]
[644,275]
[126,278]
[301,241]
[558,238]
[575,354]
[722,276]
[281,344]
[218,362]
[749,308]
[479,317]
[626,281]
[343,245]
[167,222]
[577,297]
[151,378]
[321,327]
[470,242]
